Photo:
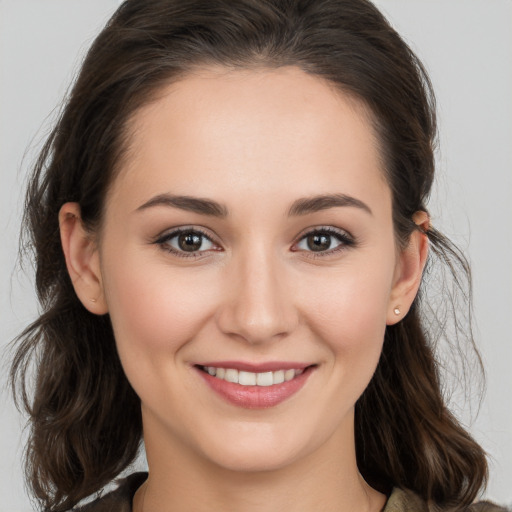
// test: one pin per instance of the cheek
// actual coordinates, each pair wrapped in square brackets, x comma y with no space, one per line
[154,309]
[348,312]
[349,321]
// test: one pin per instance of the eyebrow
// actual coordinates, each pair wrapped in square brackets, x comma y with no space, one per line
[188,203]
[323,202]
[212,208]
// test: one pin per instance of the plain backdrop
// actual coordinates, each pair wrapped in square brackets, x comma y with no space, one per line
[466,46]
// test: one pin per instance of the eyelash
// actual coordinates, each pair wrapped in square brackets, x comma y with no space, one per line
[346,241]
[163,240]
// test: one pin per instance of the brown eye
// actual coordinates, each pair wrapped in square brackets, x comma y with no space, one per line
[190,242]
[319,242]
[324,241]
[186,242]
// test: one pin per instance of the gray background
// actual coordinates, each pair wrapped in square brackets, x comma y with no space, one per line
[467,48]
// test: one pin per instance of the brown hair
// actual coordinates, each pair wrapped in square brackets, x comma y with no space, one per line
[85,418]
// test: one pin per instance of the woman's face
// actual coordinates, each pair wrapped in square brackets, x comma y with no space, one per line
[250,230]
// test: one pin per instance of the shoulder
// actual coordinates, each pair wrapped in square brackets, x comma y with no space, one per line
[487,506]
[403,500]
[120,499]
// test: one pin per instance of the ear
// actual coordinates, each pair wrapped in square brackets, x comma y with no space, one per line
[409,269]
[82,259]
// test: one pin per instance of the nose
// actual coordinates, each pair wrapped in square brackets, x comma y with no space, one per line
[258,304]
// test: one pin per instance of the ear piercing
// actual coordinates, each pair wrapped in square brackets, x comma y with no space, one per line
[93,300]
[396,311]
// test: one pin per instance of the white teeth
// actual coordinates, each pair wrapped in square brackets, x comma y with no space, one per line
[253,379]
[246,378]
[264,379]
[231,375]
[278,377]
[289,374]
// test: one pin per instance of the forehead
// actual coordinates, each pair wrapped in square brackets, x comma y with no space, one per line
[260,130]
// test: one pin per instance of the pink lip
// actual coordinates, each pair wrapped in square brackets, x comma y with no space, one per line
[256,397]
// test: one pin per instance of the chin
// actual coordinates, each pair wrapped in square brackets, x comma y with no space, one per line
[262,450]
[253,459]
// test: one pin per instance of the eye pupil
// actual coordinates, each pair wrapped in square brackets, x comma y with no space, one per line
[189,242]
[319,242]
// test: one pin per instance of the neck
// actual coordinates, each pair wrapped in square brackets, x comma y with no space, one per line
[181,480]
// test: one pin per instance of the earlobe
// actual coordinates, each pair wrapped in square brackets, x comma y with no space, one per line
[410,267]
[82,259]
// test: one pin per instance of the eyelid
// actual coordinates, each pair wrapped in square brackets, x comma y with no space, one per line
[170,233]
[346,238]
[325,228]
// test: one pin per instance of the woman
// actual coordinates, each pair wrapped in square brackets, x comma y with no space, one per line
[231,229]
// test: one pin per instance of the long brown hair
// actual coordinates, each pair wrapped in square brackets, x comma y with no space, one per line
[85,418]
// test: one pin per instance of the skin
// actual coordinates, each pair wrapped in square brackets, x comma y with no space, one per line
[254,141]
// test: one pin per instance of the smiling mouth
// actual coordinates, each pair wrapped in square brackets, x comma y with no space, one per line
[255,389]
[244,378]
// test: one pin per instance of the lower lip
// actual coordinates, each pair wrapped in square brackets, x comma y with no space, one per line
[256,397]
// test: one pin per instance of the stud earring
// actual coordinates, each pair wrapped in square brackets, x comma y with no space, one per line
[396,311]
[93,300]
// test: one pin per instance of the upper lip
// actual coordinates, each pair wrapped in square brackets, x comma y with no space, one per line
[269,366]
